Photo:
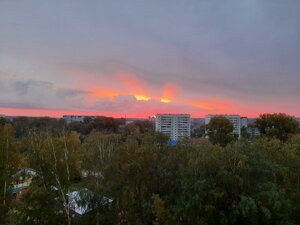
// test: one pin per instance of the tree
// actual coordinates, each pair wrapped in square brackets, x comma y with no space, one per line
[220,131]
[10,160]
[101,124]
[22,125]
[162,215]
[243,183]
[198,132]
[131,129]
[133,176]
[244,133]
[277,125]
[150,182]
[98,151]
[2,121]
[145,125]
[56,161]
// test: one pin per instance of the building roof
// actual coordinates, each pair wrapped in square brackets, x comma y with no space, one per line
[80,201]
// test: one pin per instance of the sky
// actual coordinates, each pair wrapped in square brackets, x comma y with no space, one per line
[136,58]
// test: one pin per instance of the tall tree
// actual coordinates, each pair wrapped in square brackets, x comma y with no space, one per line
[277,125]
[10,160]
[56,161]
[220,131]
[133,176]
[161,214]
[98,152]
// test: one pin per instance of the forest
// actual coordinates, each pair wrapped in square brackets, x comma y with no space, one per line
[127,174]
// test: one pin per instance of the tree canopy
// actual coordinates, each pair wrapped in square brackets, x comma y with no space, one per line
[139,179]
[220,130]
[277,125]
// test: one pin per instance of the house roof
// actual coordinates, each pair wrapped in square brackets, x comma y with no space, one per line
[80,201]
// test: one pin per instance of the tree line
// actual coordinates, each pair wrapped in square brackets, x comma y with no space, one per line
[130,175]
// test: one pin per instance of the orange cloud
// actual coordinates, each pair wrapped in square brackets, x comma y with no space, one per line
[213,104]
[134,86]
[169,93]
[142,97]
[124,84]
[102,92]
[165,100]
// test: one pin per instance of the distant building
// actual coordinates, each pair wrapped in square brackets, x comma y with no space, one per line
[244,122]
[76,118]
[80,202]
[2,116]
[253,131]
[176,126]
[234,119]
[129,121]
[197,123]
[21,181]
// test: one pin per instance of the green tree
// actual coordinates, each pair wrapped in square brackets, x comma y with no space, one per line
[133,176]
[10,160]
[2,121]
[220,131]
[56,161]
[131,129]
[198,132]
[240,184]
[22,125]
[277,125]
[244,133]
[161,214]
[98,152]
[153,183]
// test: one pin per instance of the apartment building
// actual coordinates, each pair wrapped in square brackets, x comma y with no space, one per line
[176,126]
[76,118]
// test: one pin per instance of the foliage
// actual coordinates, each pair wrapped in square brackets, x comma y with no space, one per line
[277,125]
[56,162]
[101,124]
[150,182]
[10,160]
[2,121]
[22,125]
[220,131]
[198,132]
[161,214]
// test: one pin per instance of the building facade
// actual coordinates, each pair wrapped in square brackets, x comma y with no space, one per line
[244,122]
[176,126]
[76,118]
[234,119]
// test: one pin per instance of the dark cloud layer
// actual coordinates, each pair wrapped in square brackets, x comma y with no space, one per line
[244,51]
[35,94]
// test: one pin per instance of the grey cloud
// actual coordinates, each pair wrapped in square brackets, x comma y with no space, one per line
[67,92]
[39,94]
[21,105]
[22,87]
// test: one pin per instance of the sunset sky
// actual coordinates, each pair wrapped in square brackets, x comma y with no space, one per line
[136,58]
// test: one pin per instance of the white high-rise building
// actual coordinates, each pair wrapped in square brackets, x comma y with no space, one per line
[244,122]
[176,126]
[76,118]
[234,119]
